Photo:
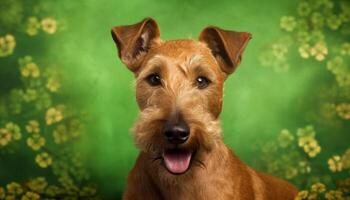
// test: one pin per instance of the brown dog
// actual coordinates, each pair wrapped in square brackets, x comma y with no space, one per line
[179,89]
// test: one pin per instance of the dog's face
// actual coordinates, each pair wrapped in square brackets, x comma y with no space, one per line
[179,89]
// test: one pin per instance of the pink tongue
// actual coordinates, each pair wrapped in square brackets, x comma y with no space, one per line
[177,161]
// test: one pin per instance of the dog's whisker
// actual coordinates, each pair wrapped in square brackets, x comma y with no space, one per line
[156,159]
[200,163]
[150,147]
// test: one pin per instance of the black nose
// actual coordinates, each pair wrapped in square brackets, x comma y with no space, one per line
[176,133]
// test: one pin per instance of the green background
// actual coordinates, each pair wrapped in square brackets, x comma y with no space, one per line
[258,102]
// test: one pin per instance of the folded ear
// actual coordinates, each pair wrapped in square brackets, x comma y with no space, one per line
[134,41]
[226,46]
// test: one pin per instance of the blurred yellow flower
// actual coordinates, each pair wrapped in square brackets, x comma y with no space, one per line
[319,51]
[53,115]
[317,20]
[44,101]
[10,197]
[75,127]
[304,51]
[30,95]
[343,110]
[279,50]
[345,14]
[53,84]
[288,23]
[313,196]
[67,182]
[30,69]
[25,60]
[334,195]
[308,131]
[310,145]
[43,160]
[38,184]
[60,134]
[16,96]
[304,9]
[5,137]
[303,37]
[14,188]
[327,111]
[33,126]
[7,45]
[343,79]
[2,193]
[302,195]
[14,130]
[88,191]
[335,163]
[345,49]
[49,25]
[53,190]
[312,149]
[336,65]
[345,7]
[346,159]
[304,167]
[273,167]
[328,4]
[285,138]
[334,22]
[318,187]
[30,196]
[344,185]
[317,36]
[36,142]
[291,172]
[33,26]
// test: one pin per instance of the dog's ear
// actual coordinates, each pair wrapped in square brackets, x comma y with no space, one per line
[134,41]
[226,46]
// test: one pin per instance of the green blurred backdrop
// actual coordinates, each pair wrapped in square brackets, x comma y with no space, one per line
[259,102]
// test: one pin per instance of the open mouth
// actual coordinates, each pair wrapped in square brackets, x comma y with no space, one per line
[177,161]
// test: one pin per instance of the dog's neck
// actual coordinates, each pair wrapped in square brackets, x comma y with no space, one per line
[212,174]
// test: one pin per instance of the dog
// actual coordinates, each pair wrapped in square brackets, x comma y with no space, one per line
[179,90]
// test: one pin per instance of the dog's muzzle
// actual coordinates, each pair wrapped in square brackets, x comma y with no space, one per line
[176,132]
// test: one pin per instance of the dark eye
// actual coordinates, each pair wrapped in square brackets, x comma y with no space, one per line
[202,82]
[154,80]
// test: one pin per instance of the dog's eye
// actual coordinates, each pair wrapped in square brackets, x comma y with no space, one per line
[154,80]
[202,82]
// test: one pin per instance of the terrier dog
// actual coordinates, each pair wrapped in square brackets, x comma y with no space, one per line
[179,90]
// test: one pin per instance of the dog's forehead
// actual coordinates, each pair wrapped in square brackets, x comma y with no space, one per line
[186,51]
[175,48]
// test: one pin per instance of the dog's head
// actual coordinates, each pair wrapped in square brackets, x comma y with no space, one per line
[179,89]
